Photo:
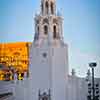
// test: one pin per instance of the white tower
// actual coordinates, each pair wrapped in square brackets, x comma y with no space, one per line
[48,56]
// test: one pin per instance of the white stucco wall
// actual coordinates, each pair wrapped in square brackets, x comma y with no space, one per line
[48,72]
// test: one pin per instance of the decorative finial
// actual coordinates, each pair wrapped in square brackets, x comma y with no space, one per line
[88,75]
[73,72]
[88,72]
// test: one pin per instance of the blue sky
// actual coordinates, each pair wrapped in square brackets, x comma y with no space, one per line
[81,28]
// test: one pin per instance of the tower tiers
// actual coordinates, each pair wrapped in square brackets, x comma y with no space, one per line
[48,56]
[47,24]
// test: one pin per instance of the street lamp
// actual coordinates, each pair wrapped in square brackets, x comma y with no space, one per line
[93,65]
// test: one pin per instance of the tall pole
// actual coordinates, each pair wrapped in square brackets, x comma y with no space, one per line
[93,84]
[93,65]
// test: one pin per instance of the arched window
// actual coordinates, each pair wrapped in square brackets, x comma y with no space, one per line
[54,32]
[37,33]
[38,29]
[52,8]
[45,98]
[42,7]
[47,7]
[45,29]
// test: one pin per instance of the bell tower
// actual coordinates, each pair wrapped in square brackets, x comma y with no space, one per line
[48,24]
[48,7]
[48,55]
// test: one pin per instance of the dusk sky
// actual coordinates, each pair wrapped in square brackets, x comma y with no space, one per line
[81,28]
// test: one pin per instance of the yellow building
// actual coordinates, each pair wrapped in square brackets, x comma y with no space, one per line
[15,55]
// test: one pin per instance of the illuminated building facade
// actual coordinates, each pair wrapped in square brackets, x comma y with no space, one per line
[15,55]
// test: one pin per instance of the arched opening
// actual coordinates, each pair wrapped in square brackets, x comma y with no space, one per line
[47,7]
[45,29]
[44,98]
[54,32]
[37,33]
[42,7]
[52,8]
[38,29]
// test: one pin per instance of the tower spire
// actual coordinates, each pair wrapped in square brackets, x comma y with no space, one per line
[48,7]
[48,25]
